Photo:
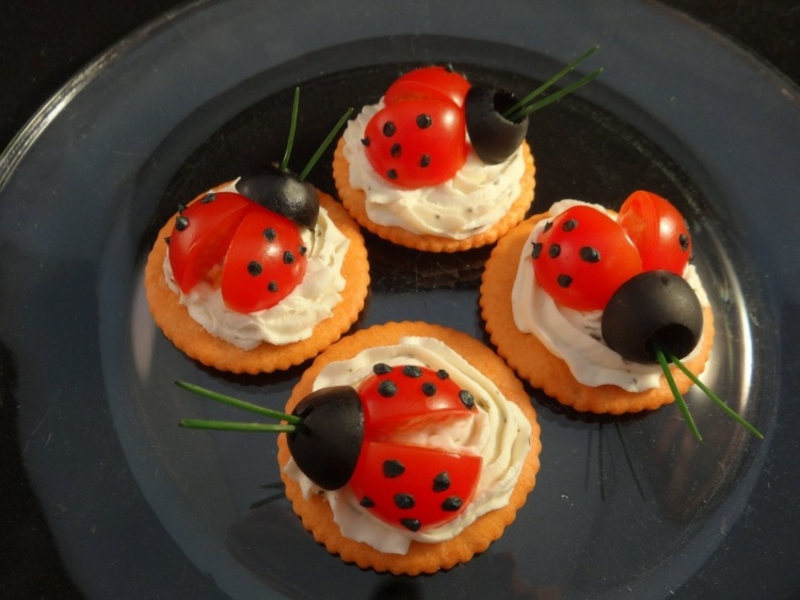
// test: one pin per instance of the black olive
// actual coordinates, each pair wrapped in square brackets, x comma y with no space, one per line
[282,193]
[327,444]
[654,307]
[493,136]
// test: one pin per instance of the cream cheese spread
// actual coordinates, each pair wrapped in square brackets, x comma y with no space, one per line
[293,318]
[499,433]
[471,202]
[575,336]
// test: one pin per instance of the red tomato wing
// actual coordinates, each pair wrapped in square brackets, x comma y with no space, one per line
[264,263]
[658,230]
[428,83]
[202,234]
[414,487]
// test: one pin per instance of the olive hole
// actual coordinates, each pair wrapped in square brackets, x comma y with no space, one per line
[677,338]
[503,101]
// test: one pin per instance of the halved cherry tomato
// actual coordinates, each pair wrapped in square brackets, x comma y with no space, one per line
[410,397]
[428,83]
[583,257]
[414,487]
[202,234]
[417,143]
[658,230]
[264,262]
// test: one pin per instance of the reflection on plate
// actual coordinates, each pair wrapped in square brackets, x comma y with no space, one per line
[623,505]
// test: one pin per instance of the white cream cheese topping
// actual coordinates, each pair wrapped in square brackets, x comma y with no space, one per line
[469,203]
[499,432]
[293,318]
[575,336]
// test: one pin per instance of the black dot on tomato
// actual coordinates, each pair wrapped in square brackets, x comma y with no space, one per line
[272,286]
[166,240]
[387,389]
[424,121]
[411,524]
[302,249]
[254,268]
[467,399]
[210,197]
[564,280]
[554,250]
[396,150]
[365,141]
[389,129]
[589,254]
[288,257]
[452,504]
[412,371]
[367,502]
[441,482]
[393,468]
[548,225]
[425,161]
[442,374]
[536,250]
[391,174]
[270,234]
[404,501]
[569,225]
[683,240]
[428,389]
[181,223]
[381,369]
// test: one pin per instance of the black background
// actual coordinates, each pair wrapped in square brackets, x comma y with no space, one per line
[43,43]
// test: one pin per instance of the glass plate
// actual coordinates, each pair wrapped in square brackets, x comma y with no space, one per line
[625,507]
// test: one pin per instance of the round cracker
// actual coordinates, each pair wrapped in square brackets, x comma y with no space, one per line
[533,362]
[189,336]
[354,200]
[315,512]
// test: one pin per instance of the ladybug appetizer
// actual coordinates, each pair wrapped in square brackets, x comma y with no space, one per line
[266,270]
[439,163]
[611,300]
[401,447]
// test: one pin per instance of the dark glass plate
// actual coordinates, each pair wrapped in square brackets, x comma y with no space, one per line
[624,507]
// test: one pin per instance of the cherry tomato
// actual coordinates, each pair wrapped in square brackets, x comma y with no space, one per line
[264,262]
[428,83]
[583,257]
[417,143]
[202,234]
[657,230]
[421,397]
[414,487]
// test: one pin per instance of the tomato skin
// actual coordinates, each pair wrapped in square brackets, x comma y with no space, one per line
[414,487]
[202,234]
[420,398]
[658,230]
[583,258]
[428,83]
[417,143]
[264,262]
